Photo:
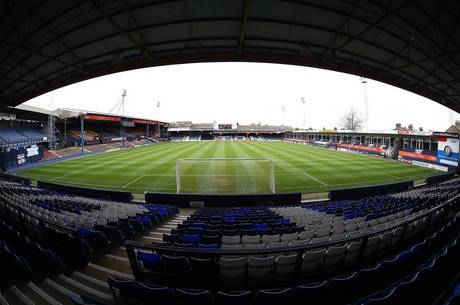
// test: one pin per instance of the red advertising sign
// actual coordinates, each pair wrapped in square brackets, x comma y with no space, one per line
[418,156]
[360,147]
[96,117]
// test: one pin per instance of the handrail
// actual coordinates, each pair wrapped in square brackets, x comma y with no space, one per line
[157,246]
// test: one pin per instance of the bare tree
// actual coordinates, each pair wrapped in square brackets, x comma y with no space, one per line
[352,120]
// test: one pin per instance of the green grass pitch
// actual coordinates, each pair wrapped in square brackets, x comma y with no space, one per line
[298,168]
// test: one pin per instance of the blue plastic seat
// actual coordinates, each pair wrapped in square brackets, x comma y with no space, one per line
[191,239]
[149,260]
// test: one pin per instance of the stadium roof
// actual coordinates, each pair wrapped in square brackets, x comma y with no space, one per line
[65,113]
[28,113]
[411,44]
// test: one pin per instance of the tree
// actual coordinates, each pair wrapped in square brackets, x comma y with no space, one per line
[352,120]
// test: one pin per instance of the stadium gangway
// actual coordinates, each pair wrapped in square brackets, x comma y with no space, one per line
[447,210]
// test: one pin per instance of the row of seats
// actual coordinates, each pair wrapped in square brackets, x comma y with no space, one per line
[207,225]
[234,268]
[361,286]
[13,135]
[52,232]
[264,227]
[115,220]
[39,258]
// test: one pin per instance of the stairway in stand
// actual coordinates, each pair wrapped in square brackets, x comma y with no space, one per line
[91,280]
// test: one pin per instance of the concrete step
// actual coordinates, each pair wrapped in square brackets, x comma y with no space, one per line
[163,230]
[123,259]
[100,285]
[121,251]
[82,289]
[3,301]
[149,239]
[37,295]
[115,264]
[56,291]
[168,226]
[14,296]
[101,272]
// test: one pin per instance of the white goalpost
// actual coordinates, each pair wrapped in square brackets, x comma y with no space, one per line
[225,175]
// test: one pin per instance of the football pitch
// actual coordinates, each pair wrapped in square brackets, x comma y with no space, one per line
[297,168]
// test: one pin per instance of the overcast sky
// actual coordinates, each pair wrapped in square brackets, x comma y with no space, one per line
[249,93]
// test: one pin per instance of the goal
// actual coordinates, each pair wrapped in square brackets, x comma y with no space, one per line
[225,175]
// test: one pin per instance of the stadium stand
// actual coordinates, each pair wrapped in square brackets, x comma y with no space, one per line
[221,254]
[321,246]
[58,248]
[11,135]
[46,233]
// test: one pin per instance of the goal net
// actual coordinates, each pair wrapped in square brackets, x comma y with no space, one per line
[225,175]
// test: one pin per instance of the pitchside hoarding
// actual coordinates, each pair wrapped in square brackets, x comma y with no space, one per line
[448,151]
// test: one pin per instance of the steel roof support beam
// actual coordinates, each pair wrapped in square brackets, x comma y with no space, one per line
[55,36]
[443,51]
[136,23]
[346,20]
[417,62]
[371,26]
[243,23]
[140,47]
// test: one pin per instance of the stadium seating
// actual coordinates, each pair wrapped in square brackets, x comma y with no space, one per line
[388,245]
[11,135]
[403,278]
[45,233]
[32,134]
[275,245]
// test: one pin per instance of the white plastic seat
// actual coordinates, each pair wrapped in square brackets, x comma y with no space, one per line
[288,237]
[312,261]
[250,239]
[232,270]
[260,269]
[285,267]
[306,235]
[322,232]
[270,238]
[230,240]
[280,245]
[352,255]
[334,257]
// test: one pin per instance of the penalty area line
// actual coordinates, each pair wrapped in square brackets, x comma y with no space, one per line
[316,179]
[132,181]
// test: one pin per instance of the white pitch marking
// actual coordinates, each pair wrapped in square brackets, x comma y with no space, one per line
[310,176]
[132,181]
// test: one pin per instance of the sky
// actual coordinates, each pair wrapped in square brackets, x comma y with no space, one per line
[248,93]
